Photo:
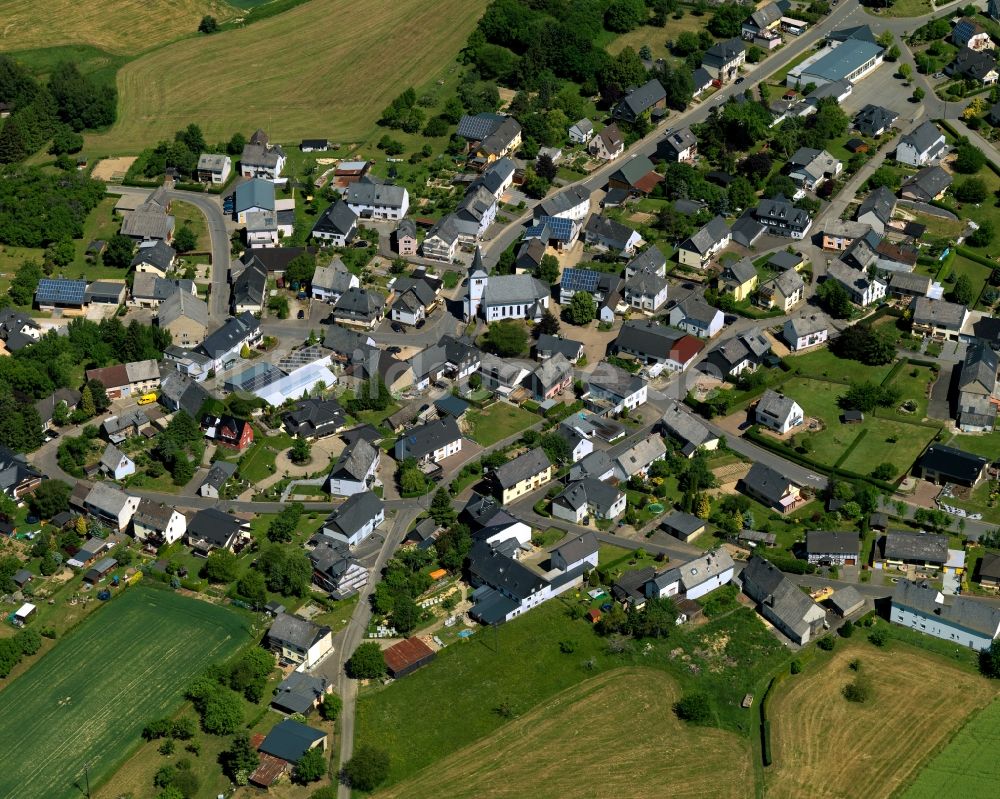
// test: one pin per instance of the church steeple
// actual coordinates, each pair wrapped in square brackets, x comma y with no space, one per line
[477,269]
[478,277]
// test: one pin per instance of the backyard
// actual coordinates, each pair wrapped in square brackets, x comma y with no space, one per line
[498,421]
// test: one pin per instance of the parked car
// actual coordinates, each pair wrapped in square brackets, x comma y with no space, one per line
[301,314]
[738,81]
[421,323]
[397,328]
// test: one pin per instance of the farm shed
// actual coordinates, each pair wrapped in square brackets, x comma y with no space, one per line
[408,656]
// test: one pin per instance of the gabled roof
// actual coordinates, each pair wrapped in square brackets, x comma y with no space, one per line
[563,201]
[923,138]
[523,467]
[550,345]
[578,548]
[107,498]
[355,513]
[684,523]
[359,303]
[112,458]
[214,526]
[939,313]
[881,202]
[927,547]
[678,140]
[255,193]
[928,183]
[427,438]
[288,740]
[776,405]
[233,333]
[785,284]
[975,64]
[641,454]
[708,237]
[766,482]
[958,611]
[827,542]
[780,210]
[478,127]
[591,493]
[611,137]
[695,309]
[740,272]
[338,220]
[642,99]
[334,277]
[979,370]
[355,462]
[514,289]
[953,463]
[616,381]
[614,232]
[370,190]
[157,253]
[685,426]
[504,573]
[723,52]
[874,117]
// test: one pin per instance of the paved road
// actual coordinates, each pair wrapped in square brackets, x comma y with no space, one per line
[211,207]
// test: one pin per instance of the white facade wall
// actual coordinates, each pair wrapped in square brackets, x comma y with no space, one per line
[939,628]
[719,580]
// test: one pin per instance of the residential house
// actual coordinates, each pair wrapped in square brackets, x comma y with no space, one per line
[548,346]
[989,570]
[653,343]
[261,159]
[497,177]
[211,529]
[502,376]
[586,497]
[694,579]
[154,257]
[614,390]
[314,419]
[769,487]
[863,290]
[115,463]
[185,316]
[335,571]
[629,590]
[356,519]
[249,290]
[922,145]
[595,464]
[300,693]
[355,470]
[683,526]
[929,184]
[646,291]
[431,442]
[254,196]
[783,292]
[975,65]
[876,210]
[764,23]
[112,506]
[476,211]
[938,318]
[157,524]
[605,287]
[575,553]
[828,548]
[925,551]
[956,619]
[551,378]
[127,379]
[214,168]
[739,279]
[702,81]
[738,355]
[371,198]
[337,225]
[943,464]
[224,345]
[220,474]
[178,392]
[781,602]
[704,245]
[414,299]
[895,257]
[579,445]
[442,239]
[907,284]
[679,146]
[646,99]
[490,137]
[524,474]
[874,120]
[839,235]
[359,307]
[605,233]
[298,641]
[608,144]
[150,221]
[697,317]
[149,290]
[978,395]
[581,131]
[805,331]
[17,477]
[67,398]
[572,203]
[687,430]
[17,331]
[777,412]
[314,145]
[810,167]
[723,60]
[969,33]
[650,261]
[330,282]
[781,218]
[637,459]
[230,432]
[406,238]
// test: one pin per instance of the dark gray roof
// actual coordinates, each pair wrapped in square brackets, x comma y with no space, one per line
[524,466]
[614,232]
[370,190]
[647,339]
[355,513]
[642,99]
[928,183]
[503,573]
[784,260]
[577,548]
[685,426]
[214,526]
[979,370]
[630,586]
[677,140]
[232,333]
[709,236]
[298,692]
[970,614]
[780,210]
[740,271]
[766,585]
[684,523]
[766,482]
[289,740]
[594,464]
[616,381]
[336,220]
[825,542]
[355,461]
[590,492]
[881,201]
[423,440]
[550,345]
[989,566]
[220,472]
[478,127]
[563,201]
[359,304]
[158,254]
[872,118]
[939,313]
[722,53]
[313,416]
[923,138]
[924,547]
[250,286]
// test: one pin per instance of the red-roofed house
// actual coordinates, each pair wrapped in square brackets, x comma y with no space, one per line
[235,434]
[407,656]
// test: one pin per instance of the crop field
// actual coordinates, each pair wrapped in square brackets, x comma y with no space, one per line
[888,440]
[563,748]
[325,68]
[825,746]
[118,26]
[968,765]
[87,700]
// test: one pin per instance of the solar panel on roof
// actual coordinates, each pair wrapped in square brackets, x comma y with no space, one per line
[63,291]
[580,279]
[560,228]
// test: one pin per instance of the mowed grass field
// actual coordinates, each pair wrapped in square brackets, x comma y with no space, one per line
[827,747]
[968,766]
[613,735]
[87,700]
[326,68]
[118,26]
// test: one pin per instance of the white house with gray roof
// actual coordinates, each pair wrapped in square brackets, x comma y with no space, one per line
[581,131]
[356,519]
[614,390]
[500,297]
[638,458]
[697,317]
[704,245]
[372,198]
[689,431]
[922,145]
[442,239]
[588,497]
[805,331]
[777,412]
[965,622]
[330,282]
[431,442]
[354,470]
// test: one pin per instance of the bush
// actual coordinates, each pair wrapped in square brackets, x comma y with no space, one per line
[367,769]
[694,707]
[367,662]
[847,629]
[796,667]
[826,643]
[879,636]
[311,766]
[859,690]
[330,707]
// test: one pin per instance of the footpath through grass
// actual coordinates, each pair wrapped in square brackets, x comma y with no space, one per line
[86,701]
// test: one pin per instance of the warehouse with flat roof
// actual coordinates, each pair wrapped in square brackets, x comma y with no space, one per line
[852,60]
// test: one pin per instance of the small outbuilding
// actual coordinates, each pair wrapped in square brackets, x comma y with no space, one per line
[847,601]
[23,613]
[407,656]
[683,526]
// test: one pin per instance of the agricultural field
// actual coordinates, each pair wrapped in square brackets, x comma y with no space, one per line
[118,26]
[562,748]
[302,79]
[968,765]
[87,700]
[876,440]
[825,746]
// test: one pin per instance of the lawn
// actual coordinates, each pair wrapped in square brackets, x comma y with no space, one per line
[497,422]
[825,746]
[87,700]
[305,82]
[968,765]
[914,382]
[978,274]
[657,38]
[823,364]
[878,439]
[571,727]
[125,27]
[258,461]
[907,8]
[190,215]
[523,664]
[985,444]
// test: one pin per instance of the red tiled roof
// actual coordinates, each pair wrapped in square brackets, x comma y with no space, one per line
[647,183]
[685,348]
[270,768]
